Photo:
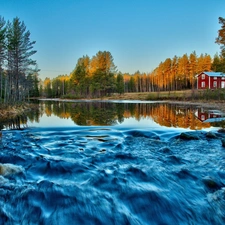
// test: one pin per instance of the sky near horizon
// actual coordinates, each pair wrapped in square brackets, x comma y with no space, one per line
[139,33]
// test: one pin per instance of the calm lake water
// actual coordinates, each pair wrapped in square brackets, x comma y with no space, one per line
[113,162]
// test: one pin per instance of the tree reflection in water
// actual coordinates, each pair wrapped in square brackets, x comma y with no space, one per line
[103,113]
[109,113]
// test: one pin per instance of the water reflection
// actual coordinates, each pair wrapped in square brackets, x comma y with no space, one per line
[21,121]
[108,114]
[99,113]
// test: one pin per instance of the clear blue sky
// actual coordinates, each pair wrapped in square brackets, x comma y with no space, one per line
[138,33]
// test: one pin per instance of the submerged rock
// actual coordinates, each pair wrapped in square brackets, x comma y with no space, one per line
[8,169]
[189,136]
[222,130]
[223,142]
[165,149]
[211,135]
[145,134]
[210,183]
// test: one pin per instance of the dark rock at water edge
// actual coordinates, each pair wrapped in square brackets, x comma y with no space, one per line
[211,135]
[189,136]
[223,142]
[211,183]
[222,130]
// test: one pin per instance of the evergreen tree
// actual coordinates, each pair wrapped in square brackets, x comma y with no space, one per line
[120,83]
[221,41]
[103,80]
[80,77]
[2,53]
[47,87]
[216,65]
[221,36]
[131,85]
[19,62]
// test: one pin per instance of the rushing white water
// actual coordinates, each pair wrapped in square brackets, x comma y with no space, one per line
[111,176]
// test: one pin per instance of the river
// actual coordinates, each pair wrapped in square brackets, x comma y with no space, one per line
[96,162]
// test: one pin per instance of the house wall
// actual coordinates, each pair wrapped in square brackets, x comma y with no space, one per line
[206,80]
[217,82]
[210,82]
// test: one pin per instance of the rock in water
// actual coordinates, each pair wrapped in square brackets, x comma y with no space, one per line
[210,183]
[223,142]
[211,135]
[8,169]
[189,136]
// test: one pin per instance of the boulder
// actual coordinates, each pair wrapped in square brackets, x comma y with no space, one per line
[211,135]
[223,142]
[189,136]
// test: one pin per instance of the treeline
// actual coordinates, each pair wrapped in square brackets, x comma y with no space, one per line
[18,72]
[97,76]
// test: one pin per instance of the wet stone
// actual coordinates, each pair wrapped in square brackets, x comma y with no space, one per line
[222,130]
[102,151]
[189,136]
[210,183]
[8,169]
[211,135]
[165,150]
[223,142]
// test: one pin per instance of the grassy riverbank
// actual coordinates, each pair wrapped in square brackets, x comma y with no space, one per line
[206,98]
[11,111]
[185,95]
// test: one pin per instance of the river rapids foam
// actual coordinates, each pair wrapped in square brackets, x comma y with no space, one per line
[111,176]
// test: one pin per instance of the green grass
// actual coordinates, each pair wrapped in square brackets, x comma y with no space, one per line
[217,94]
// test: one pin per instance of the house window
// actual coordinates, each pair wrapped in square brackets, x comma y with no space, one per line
[214,84]
[215,78]
[202,117]
[203,76]
[203,84]
[223,84]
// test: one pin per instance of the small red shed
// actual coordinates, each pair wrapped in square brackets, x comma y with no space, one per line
[210,80]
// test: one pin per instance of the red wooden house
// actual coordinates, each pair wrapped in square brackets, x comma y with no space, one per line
[210,80]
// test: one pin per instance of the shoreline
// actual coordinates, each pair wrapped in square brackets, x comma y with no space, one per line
[9,112]
[220,104]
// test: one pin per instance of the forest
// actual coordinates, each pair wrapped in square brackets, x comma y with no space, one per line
[96,76]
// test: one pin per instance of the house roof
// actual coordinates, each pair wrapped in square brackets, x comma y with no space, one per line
[214,74]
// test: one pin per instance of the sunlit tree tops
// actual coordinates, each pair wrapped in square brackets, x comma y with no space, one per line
[221,36]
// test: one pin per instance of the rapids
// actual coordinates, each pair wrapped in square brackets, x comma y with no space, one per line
[111,175]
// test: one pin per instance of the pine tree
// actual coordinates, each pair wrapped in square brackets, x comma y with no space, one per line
[221,41]
[19,52]
[221,36]
[120,83]
[2,53]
